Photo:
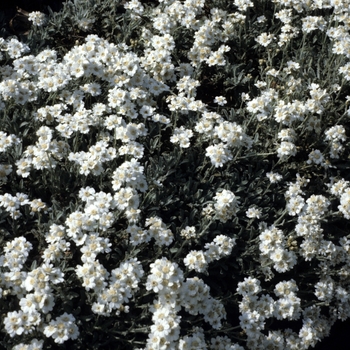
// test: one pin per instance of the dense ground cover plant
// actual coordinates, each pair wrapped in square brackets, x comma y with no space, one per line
[174,175]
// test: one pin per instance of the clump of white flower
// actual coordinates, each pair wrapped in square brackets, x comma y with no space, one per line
[265,39]
[123,281]
[85,24]
[35,344]
[335,136]
[158,230]
[220,100]
[226,205]
[44,154]
[188,232]
[15,48]
[182,137]
[93,275]
[130,173]
[337,187]
[7,141]
[37,18]
[195,298]
[12,204]
[221,246]
[194,341]
[19,322]
[62,328]
[273,248]
[165,279]
[16,253]
[288,305]
[274,177]
[93,160]
[198,260]
[316,157]
[219,154]
[195,260]
[5,170]
[253,213]
[344,206]
[286,149]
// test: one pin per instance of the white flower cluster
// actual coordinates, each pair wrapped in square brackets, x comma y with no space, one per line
[253,213]
[16,253]
[38,282]
[122,282]
[230,135]
[37,18]
[35,344]
[43,155]
[226,205]
[157,229]
[93,275]
[128,199]
[85,24]
[130,173]
[263,105]
[257,309]
[195,298]
[273,247]
[197,341]
[325,289]
[92,161]
[286,149]
[310,214]
[274,177]
[182,137]
[344,206]
[189,232]
[62,328]
[311,23]
[335,135]
[19,322]
[295,202]
[167,280]
[14,48]
[288,304]
[12,204]
[199,260]
[319,97]
[316,157]
[289,112]
[265,39]
[194,341]
[219,154]
[7,141]
[223,343]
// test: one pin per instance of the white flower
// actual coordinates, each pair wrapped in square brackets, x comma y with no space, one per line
[188,232]
[286,149]
[37,18]
[62,329]
[274,177]
[295,205]
[220,100]
[315,157]
[250,286]
[265,39]
[182,136]
[195,260]
[219,154]
[253,213]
